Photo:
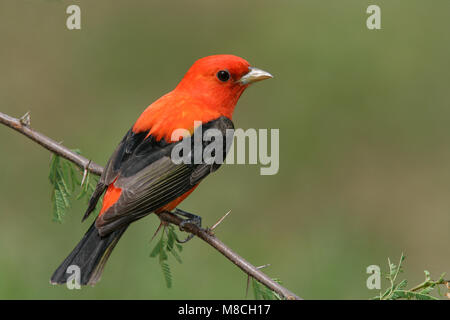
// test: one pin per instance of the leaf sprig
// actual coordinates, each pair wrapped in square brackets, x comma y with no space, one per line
[166,245]
[261,292]
[398,290]
[65,179]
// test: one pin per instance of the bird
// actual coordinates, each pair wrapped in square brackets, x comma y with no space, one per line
[140,177]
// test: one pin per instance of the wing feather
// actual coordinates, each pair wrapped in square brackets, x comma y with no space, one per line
[149,179]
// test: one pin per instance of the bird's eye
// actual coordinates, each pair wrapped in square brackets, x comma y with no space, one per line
[223,75]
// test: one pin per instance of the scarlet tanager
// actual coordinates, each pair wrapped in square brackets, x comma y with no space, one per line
[140,176]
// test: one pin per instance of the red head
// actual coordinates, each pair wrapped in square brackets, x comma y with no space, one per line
[210,89]
[219,81]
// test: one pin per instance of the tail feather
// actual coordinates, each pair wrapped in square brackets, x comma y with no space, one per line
[90,255]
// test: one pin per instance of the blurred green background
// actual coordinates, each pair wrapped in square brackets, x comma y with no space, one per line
[364,140]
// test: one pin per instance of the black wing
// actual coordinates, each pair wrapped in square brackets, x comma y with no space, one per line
[149,179]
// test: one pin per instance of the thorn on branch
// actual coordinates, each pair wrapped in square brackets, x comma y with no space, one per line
[85,173]
[162,223]
[211,230]
[249,277]
[25,120]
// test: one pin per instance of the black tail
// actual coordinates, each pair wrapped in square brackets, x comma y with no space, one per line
[90,255]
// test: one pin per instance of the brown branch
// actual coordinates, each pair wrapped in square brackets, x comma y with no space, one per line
[84,163]
[243,264]
[50,144]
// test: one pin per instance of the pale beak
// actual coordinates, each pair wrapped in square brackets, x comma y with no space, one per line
[254,75]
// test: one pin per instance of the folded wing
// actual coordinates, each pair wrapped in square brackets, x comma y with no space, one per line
[148,178]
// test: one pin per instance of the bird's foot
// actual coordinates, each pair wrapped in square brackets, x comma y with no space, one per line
[190,219]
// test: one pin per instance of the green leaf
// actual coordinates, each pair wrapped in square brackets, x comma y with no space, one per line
[163,256]
[260,291]
[165,245]
[256,290]
[418,295]
[65,193]
[156,249]
[176,256]
[402,284]
[61,193]
[167,274]
[427,290]
[53,167]
[59,206]
[170,238]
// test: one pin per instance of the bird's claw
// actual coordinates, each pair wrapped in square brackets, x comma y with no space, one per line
[191,219]
[189,237]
